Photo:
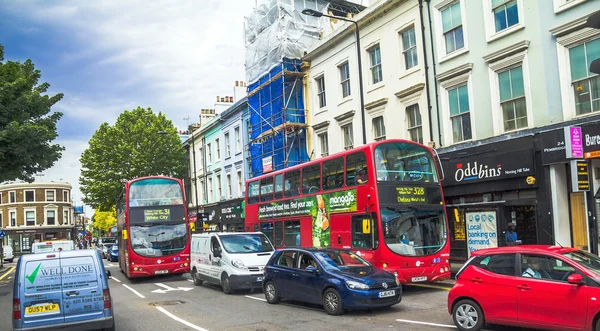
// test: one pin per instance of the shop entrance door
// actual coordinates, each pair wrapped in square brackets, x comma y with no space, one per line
[578,221]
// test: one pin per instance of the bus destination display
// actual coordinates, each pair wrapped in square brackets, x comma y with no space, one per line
[153,215]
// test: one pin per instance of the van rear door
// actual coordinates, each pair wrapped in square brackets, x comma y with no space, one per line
[41,298]
[82,287]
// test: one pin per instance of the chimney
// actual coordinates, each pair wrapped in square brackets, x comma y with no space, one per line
[237,83]
[239,91]
[217,98]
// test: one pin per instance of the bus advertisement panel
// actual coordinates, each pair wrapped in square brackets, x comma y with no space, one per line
[153,227]
[383,200]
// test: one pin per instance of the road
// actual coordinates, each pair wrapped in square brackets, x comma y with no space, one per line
[174,303]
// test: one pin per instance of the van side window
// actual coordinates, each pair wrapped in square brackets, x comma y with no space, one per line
[214,244]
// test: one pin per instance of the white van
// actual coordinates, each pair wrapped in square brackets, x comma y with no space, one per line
[235,260]
[52,246]
[9,256]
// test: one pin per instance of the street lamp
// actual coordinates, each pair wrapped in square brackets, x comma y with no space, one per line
[314,13]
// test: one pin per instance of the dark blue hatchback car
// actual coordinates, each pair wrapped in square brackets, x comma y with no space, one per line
[337,279]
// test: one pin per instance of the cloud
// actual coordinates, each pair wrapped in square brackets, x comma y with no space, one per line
[112,55]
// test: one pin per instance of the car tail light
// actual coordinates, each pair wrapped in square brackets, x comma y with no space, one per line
[16,309]
[107,301]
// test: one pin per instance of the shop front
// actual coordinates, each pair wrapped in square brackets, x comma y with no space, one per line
[211,215]
[486,187]
[231,212]
[21,240]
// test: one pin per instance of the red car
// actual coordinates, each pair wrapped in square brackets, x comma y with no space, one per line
[542,287]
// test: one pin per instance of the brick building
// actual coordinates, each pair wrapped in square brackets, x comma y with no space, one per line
[31,212]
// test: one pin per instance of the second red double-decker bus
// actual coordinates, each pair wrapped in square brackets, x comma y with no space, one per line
[382,200]
[153,227]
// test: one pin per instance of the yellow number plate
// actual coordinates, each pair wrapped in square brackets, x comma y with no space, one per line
[41,309]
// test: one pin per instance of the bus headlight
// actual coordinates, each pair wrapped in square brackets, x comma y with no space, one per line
[238,264]
[356,285]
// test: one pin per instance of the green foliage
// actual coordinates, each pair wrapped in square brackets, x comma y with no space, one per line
[104,220]
[131,148]
[27,127]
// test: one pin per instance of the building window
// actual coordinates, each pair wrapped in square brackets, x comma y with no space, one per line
[238,142]
[239,176]
[321,91]
[30,218]
[379,128]
[66,196]
[12,197]
[453,28]
[586,85]
[512,99]
[218,147]
[409,48]
[324,144]
[415,127]
[376,70]
[345,79]
[506,13]
[50,195]
[210,190]
[229,186]
[460,117]
[227,146]
[209,151]
[219,191]
[29,196]
[50,217]
[347,135]
[13,218]
[66,217]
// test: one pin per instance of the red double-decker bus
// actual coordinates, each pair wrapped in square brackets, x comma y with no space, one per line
[153,227]
[382,200]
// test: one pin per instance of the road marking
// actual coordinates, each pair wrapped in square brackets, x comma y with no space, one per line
[116,280]
[168,288]
[255,298]
[190,280]
[11,269]
[427,323]
[134,291]
[431,286]
[195,327]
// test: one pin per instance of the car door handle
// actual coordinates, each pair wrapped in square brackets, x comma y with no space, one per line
[477,280]
[295,275]
[524,287]
[72,293]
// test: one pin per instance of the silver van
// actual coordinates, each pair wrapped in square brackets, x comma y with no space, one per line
[64,290]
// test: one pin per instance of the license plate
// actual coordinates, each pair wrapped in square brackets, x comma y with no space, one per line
[161,272]
[32,310]
[259,279]
[386,294]
[419,279]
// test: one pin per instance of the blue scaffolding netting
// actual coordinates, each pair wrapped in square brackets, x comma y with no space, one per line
[277,118]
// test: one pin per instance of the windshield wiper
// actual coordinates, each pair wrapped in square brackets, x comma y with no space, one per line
[246,248]
[400,211]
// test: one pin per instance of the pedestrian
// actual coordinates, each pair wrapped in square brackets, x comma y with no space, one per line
[510,235]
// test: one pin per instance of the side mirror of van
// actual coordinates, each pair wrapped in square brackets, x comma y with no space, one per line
[108,275]
[217,252]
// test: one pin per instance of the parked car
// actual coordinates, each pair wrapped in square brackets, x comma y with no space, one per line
[52,246]
[235,260]
[535,286]
[104,250]
[337,279]
[77,300]
[113,254]
[107,240]
[9,256]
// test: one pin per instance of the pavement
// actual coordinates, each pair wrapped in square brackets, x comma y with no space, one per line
[175,303]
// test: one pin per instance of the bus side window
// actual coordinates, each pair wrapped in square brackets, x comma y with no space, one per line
[253,192]
[292,183]
[266,189]
[356,169]
[311,179]
[333,174]
[279,186]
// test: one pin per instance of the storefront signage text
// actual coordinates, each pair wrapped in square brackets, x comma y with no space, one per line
[580,177]
[481,230]
[574,142]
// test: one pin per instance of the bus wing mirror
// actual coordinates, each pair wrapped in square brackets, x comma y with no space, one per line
[439,162]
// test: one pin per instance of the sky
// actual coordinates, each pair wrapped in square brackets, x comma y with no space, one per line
[109,56]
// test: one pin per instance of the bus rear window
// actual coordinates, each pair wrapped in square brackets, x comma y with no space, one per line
[292,183]
[253,192]
[311,179]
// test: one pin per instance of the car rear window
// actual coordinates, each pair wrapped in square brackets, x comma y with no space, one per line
[503,264]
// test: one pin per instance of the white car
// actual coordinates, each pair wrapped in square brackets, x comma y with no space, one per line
[235,260]
[8,254]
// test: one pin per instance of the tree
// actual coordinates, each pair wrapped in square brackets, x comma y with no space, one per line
[26,126]
[104,220]
[133,147]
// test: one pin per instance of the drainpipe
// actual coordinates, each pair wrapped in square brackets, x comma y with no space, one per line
[435,85]
[426,71]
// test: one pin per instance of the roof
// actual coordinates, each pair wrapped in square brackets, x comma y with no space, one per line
[524,249]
